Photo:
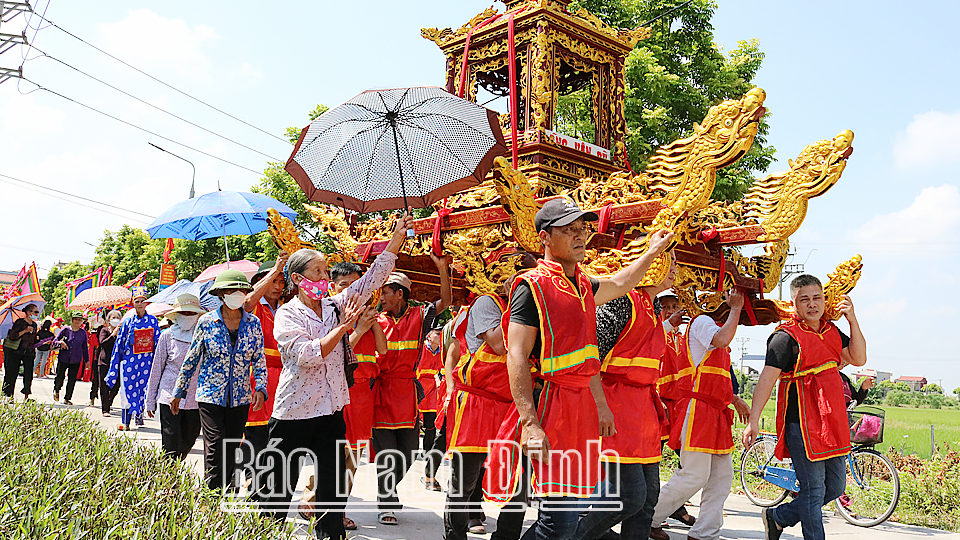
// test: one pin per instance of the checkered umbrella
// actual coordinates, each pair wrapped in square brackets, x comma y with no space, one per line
[389,149]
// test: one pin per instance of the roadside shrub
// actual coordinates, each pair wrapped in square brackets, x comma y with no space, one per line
[62,476]
[929,489]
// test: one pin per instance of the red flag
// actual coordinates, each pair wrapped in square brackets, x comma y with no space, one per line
[166,252]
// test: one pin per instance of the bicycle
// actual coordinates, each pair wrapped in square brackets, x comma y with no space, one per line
[873,484]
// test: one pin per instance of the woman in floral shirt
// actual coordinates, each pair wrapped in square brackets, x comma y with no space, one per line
[227,345]
[313,389]
[178,432]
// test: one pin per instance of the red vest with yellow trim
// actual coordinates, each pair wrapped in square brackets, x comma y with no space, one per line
[709,418]
[567,410]
[676,377]
[274,367]
[823,414]
[396,392]
[358,414]
[482,397]
[630,373]
[427,375]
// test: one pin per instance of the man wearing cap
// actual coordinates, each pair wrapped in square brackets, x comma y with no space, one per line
[631,343]
[179,432]
[703,437]
[395,426]
[552,319]
[263,301]
[132,357]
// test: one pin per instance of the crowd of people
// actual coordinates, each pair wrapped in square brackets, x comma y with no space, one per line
[559,387]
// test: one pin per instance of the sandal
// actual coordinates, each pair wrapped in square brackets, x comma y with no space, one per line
[348,524]
[387,518]
[684,517]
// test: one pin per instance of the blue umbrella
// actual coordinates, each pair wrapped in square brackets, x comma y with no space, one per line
[217,214]
[185,286]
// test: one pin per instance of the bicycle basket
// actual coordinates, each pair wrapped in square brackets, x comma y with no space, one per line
[866,425]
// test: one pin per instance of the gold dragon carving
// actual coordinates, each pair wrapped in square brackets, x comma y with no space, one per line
[519,199]
[779,201]
[841,282]
[618,188]
[471,247]
[284,234]
[443,36]
[767,267]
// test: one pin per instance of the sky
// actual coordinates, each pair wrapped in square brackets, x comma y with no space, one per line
[886,72]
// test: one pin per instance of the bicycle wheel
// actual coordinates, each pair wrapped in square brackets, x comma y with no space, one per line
[873,489]
[752,465]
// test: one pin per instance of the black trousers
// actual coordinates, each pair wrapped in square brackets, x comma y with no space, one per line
[222,431]
[70,371]
[12,361]
[435,450]
[107,394]
[395,450]
[325,437]
[179,432]
[466,486]
[429,430]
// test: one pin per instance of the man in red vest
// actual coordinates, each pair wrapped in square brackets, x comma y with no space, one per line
[552,318]
[395,422]
[676,377]
[805,354]
[263,301]
[631,343]
[704,437]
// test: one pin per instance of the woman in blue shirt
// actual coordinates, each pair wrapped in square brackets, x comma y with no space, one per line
[227,345]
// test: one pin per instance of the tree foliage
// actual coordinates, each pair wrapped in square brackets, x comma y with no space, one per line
[673,79]
[932,388]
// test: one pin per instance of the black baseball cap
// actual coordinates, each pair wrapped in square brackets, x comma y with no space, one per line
[559,212]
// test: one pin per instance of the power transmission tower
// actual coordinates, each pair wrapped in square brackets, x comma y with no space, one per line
[8,12]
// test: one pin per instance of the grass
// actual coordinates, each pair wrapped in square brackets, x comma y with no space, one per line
[62,476]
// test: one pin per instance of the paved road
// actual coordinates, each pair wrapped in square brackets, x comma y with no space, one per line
[422,515]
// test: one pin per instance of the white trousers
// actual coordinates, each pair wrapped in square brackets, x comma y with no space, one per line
[712,473]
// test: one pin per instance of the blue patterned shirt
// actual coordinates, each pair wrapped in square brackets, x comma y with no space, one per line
[224,377]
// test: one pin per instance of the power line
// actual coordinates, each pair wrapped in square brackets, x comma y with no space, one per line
[78,70]
[138,70]
[145,130]
[34,184]
[74,202]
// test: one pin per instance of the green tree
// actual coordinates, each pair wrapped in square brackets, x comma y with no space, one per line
[673,79]
[897,398]
[931,388]
[956,392]
[902,387]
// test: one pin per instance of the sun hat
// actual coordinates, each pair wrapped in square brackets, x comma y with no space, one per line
[187,303]
[231,279]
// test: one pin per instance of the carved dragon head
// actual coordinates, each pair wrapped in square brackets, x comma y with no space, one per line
[685,170]
[821,163]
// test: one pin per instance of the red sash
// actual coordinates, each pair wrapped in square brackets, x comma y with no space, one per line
[823,415]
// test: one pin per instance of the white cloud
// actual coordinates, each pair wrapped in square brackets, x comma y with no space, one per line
[932,217]
[248,73]
[149,41]
[23,119]
[932,138]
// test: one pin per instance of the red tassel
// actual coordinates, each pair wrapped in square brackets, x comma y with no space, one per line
[435,243]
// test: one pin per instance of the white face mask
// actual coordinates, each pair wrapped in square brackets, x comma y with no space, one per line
[187,322]
[235,299]
[114,322]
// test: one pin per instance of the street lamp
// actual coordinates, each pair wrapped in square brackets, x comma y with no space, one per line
[194,179]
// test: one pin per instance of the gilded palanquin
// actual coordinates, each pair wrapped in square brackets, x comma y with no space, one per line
[558,51]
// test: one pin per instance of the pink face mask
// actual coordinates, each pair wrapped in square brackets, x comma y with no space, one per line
[315,289]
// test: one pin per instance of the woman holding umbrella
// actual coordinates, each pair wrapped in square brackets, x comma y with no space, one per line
[311,333]
[227,346]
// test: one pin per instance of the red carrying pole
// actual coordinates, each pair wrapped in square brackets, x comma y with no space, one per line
[512,70]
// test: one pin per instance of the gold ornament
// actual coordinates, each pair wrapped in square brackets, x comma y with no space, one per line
[517,198]
[284,235]
[841,282]
[779,201]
